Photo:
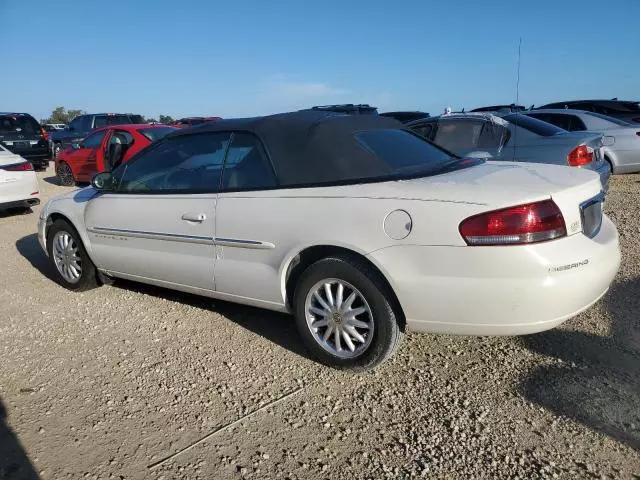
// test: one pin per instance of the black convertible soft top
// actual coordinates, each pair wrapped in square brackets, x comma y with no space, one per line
[310,147]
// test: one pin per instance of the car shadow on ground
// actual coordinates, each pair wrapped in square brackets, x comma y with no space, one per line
[278,328]
[14,212]
[14,462]
[597,381]
[29,248]
[53,180]
[275,327]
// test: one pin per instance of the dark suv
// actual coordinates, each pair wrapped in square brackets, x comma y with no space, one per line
[83,125]
[622,109]
[20,133]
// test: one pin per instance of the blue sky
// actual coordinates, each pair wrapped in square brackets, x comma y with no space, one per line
[213,57]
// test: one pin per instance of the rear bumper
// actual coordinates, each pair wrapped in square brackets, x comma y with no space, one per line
[510,290]
[27,202]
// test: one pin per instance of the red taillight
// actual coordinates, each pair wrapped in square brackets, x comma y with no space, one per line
[18,167]
[579,156]
[44,134]
[530,223]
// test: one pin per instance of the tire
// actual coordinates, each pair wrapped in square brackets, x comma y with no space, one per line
[70,244]
[608,160]
[371,295]
[65,175]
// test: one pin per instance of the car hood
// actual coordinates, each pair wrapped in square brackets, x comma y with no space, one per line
[491,183]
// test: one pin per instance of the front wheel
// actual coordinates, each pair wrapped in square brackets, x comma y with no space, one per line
[345,315]
[74,269]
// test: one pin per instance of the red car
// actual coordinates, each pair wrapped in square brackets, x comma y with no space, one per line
[104,149]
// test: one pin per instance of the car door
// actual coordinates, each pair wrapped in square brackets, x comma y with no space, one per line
[247,259]
[159,223]
[115,148]
[85,156]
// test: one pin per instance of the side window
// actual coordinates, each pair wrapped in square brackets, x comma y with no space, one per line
[76,124]
[559,120]
[458,136]
[99,121]
[187,164]
[247,167]
[94,140]
[576,125]
[426,130]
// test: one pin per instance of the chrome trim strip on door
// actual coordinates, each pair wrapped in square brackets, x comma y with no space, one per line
[175,237]
[234,242]
[224,242]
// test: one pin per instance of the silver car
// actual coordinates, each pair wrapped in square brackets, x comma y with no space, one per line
[621,142]
[514,137]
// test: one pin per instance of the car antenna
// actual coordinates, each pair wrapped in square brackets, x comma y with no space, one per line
[515,130]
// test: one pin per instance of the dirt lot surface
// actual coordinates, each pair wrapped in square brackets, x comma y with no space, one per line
[108,383]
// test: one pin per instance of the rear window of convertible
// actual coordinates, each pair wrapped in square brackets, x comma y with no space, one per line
[398,154]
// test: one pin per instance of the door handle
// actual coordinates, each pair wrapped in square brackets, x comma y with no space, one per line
[194,217]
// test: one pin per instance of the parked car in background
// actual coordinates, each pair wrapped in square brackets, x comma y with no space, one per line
[21,134]
[513,108]
[405,117]
[353,223]
[51,127]
[18,181]
[83,125]
[515,137]
[104,150]
[626,110]
[348,108]
[622,139]
[192,121]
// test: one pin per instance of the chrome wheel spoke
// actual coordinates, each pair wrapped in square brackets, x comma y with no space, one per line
[320,323]
[327,333]
[355,312]
[336,339]
[358,323]
[349,301]
[339,295]
[354,333]
[347,340]
[329,294]
[321,301]
[318,312]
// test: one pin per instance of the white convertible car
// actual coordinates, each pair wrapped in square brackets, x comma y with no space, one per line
[354,224]
[18,182]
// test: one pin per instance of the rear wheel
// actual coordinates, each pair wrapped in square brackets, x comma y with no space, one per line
[74,269]
[345,315]
[65,174]
[608,160]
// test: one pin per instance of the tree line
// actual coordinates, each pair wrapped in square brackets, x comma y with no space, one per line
[64,115]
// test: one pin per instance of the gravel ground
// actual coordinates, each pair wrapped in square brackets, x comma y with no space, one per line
[107,383]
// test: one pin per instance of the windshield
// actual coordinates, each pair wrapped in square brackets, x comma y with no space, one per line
[156,133]
[399,154]
[534,125]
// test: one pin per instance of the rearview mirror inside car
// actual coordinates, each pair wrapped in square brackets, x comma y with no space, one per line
[103,181]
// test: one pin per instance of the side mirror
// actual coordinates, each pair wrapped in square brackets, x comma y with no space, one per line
[103,182]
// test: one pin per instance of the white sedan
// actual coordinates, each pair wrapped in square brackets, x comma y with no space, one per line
[354,224]
[18,181]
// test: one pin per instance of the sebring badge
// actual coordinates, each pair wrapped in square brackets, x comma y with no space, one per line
[562,268]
